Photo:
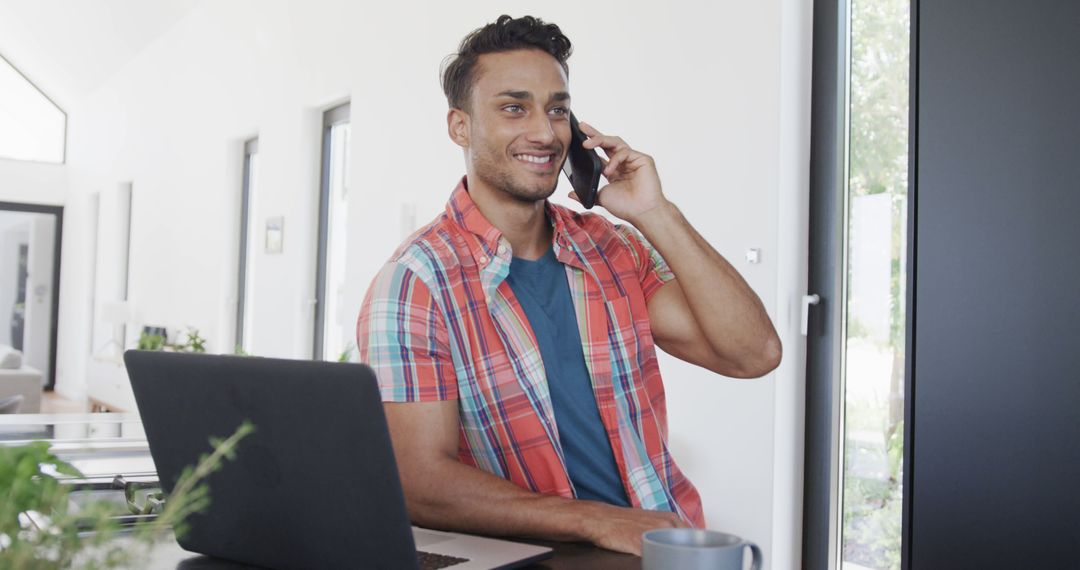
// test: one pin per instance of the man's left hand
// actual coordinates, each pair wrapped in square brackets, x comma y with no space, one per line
[634,185]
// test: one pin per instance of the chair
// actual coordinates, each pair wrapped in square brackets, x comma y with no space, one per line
[25,382]
[11,404]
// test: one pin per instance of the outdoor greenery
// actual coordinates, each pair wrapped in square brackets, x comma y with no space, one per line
[878,102]
[872,506]
[30,482]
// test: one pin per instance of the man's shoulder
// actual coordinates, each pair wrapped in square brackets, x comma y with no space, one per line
[584,220]
[597,231]
[432,248]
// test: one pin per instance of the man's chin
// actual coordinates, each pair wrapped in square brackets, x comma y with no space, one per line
[531,193]
[534,195]
[520,186]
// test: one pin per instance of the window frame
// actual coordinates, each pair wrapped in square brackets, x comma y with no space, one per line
[331,117]
[829,163]
[63,146]
[251,148]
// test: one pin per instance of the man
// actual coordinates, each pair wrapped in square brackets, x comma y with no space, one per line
[514,340]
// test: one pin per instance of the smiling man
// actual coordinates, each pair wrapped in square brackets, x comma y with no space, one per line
[515,340]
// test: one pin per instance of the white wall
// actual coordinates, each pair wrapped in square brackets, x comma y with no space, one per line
[32,182]
[715,91]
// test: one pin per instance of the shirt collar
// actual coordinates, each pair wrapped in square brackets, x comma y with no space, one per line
[467,215]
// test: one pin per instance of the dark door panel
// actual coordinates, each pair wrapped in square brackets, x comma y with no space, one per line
[995,464]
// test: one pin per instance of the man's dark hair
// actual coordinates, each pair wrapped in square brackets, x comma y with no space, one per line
[504,34]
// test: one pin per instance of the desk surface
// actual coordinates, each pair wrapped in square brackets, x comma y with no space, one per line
[568,555]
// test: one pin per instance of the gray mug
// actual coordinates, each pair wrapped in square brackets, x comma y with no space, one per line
[695,549]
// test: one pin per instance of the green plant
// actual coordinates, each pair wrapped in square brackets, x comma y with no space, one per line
[195,343]
[189,496]
[346,354]
[30,483]
[149,341]
[239,351]
[872,511]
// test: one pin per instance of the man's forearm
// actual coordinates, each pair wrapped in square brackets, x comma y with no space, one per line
[726,309]
[455,496]
[449,495]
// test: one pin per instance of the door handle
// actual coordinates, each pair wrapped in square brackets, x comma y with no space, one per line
[807,300]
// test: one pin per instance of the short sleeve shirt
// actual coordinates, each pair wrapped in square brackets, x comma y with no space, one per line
[440,322]
[542,289]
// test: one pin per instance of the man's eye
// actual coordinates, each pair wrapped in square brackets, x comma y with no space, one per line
[560,111]
[514,108]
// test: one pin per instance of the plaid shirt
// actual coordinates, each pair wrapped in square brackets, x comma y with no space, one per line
[439,322]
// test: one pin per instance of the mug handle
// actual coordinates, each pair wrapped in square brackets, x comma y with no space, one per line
[756,555]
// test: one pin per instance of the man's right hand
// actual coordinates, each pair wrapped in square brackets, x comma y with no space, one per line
[443,493]
[620,529]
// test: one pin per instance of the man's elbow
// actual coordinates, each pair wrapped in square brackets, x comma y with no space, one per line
[424,488]
[772,354]
[758,363]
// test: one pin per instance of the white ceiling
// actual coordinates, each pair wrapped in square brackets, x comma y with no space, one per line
[69,48]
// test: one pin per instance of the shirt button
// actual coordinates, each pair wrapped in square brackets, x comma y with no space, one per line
[483,260]
[502,250]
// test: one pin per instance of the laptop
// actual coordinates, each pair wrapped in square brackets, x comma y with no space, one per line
[315,486]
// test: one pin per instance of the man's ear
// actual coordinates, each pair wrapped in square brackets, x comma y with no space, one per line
[457,126]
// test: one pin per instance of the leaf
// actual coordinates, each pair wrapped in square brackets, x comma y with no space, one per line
[28,483]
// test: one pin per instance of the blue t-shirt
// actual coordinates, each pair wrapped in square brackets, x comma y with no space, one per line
[541,288]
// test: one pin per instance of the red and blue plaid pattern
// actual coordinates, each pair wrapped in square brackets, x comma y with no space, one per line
[439,322]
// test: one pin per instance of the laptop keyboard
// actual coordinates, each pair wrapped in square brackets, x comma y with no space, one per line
[432,561]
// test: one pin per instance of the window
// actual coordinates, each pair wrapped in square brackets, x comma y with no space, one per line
[331,334]
[244,284]
[853,509]
[32,127]
[873,368]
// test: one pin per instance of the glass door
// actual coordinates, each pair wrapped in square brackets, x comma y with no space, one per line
[875,279]
[856,302]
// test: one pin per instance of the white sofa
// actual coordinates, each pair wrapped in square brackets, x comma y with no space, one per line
[19,379]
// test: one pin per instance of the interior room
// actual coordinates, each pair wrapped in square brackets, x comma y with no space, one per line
[230,178]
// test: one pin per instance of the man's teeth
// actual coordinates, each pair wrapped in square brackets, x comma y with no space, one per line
[535,159]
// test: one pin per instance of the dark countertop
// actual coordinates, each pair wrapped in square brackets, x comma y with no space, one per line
[568,555]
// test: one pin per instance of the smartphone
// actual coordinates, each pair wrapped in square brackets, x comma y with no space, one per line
[582,166]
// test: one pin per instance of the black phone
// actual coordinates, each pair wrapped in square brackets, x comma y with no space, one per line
[582,166]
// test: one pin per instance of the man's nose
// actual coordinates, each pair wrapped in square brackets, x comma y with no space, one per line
[541,131]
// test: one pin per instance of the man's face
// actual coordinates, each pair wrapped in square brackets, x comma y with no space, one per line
[519,123]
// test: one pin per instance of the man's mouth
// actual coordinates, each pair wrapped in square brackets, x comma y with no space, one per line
[542,159]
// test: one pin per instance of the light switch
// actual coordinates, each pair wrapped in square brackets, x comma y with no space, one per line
[753,255]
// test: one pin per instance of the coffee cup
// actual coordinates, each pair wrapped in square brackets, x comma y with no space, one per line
[695,549]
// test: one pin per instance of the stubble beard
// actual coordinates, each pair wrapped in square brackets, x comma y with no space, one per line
[502,178]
